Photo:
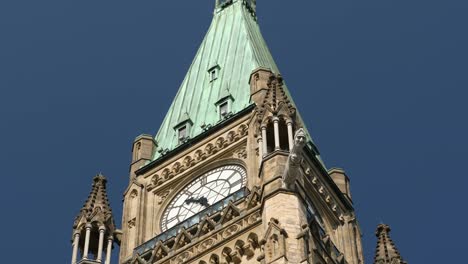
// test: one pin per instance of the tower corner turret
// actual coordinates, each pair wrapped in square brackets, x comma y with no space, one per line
[94,227]
[341,180]
[142,152]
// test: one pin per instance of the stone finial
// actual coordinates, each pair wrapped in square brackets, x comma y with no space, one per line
[97,205]
[95,215]
[386,252]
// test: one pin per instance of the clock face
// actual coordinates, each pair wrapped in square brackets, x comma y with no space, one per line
[203,192]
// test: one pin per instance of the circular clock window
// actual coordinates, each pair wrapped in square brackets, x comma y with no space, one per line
[207,189]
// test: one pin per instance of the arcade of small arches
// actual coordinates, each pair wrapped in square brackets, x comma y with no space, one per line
[277,133]
[241,252]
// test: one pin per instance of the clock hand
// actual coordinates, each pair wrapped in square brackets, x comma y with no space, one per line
[191,200]
[202,201]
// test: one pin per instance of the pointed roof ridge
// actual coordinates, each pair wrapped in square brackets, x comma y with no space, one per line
[97,207]
[386,251]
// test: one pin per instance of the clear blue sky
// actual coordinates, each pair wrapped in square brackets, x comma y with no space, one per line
[381,84]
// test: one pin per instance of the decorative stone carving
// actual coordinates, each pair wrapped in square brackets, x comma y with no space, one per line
[161,197]
[254,218]
[177,168]
[156,180]
[210,233]
[293,165]
[138,260]
[182,258]
[254,197]
[198,155]
[189,161]
[274,242]
[182,239]
[132,223]
[252,241]
[166,174]
[231,230]
[160,251]
[275,102]
[241,153]
[210,149]
[214,259]
[243,130]
[229,213]
[206,226]
[221,143]
[206,244]
[240,247]
[133,194]
[231,256]
[232,137]
[304,238]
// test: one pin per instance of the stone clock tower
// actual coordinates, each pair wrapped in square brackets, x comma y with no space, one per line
[233,175]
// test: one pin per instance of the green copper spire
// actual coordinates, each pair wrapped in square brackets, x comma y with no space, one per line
[232,48]
[230,51]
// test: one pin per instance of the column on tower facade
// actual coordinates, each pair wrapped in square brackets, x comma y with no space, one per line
[87,237]
[264,136]
[277,137]
[109,249]
[102,231]
[290,134]
[76,241]
[260,148]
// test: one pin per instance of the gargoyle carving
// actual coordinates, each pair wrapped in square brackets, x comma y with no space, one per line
[293,166]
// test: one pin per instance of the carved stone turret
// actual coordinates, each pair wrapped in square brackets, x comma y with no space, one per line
[94,228]
[386,252]
[341,180]
[142,152]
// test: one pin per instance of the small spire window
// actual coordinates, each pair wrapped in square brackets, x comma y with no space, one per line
[182,130]
[224,109]
[224,105]
[214,73]
[182,134]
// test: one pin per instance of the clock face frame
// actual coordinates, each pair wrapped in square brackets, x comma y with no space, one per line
[206,190]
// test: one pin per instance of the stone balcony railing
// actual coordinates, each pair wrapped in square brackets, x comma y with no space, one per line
[192,221]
